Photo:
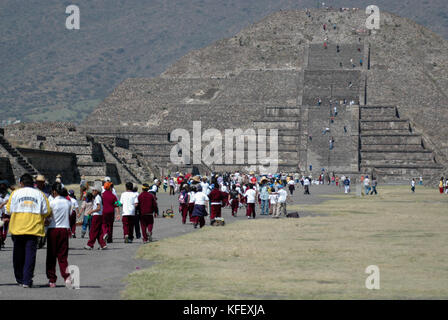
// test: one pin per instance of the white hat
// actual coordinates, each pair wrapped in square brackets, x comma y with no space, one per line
[107,179]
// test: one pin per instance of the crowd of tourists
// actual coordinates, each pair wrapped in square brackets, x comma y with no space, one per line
[38,213]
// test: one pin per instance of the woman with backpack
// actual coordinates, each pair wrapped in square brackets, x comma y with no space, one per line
[183,202]
[234,200]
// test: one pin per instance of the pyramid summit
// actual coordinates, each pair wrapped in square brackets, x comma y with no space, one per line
[342,97]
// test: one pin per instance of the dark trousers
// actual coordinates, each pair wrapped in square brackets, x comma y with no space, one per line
[24,258]
[235,204]
[108,225]
[215,211]
[57,249]
[138,234]
[72,220]
[373,190]
[96,232]
[184,211]
[250,210]
[307,190]
[190,211]
[128,226]
[147,222]
[199,221]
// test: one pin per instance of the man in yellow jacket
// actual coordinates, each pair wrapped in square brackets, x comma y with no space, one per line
[28,208]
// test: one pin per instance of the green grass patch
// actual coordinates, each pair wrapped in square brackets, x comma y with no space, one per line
[320,257]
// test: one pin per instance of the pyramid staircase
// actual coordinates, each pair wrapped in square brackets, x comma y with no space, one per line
[390,148]
[18,157]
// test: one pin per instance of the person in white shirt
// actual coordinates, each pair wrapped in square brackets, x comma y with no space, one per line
[199,211]
[281,202]
[58,235]
[129,201]
[251,197]
[366,185]
[306,185]
[4,197]
[273,198]
[97,221]
[291,186]
[74,213]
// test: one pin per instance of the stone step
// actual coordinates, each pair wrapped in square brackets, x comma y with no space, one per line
[423,155]
[276,125]
[384,125]
[399,162]
[386,132]
[390,139]
[282,111]
[392,147]
[378,111]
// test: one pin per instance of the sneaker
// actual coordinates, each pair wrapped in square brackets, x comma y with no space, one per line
[88,247]
[105,237]
[68,283]
[102,248]
[52,285]
[130,241]
[248,217]
[144,241]
[26,286]
[150,237]
[74,236]
[126,239]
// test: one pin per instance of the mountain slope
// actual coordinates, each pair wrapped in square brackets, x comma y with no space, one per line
[51,73]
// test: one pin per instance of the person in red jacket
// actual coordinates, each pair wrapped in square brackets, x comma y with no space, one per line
[216,198]
[183,202]
[147,205]
[110,206]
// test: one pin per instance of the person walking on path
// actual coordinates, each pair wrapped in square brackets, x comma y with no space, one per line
[148,205]
[264,196]
[74,212]
[291,186]
[183,202]
[58,235]
[306,185]
[234,200]
[251,196]
[95,233]
[110,207]
[216,198]
[129,201]
[413,185]
[441,185]
[366,183]
[191,202]
[281,202]
[199,210]
[347,185]
[171,182]
[138,233]
[374,185]
[27,209]
[86,206]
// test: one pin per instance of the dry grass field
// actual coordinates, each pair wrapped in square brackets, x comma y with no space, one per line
[321,256]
